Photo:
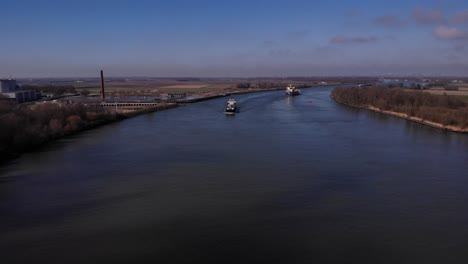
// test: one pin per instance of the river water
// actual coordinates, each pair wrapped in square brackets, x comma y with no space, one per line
[287,180]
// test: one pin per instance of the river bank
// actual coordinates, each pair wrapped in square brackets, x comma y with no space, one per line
[238,92]
[406,117]
[122,115]
[219,95]
[47,124]
[16,140]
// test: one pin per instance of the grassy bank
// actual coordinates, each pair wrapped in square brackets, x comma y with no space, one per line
[439,111]
[137,112]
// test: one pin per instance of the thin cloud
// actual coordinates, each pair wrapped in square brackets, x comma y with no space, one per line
[461,17]
[450,33]
[428,16]
[388,21]
[347,40]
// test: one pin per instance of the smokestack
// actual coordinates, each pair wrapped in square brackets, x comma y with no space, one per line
[103,95]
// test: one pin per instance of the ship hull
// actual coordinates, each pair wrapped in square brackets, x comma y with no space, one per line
[231,111]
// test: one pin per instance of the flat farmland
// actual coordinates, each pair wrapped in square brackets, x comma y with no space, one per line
[153,87]
[461,94]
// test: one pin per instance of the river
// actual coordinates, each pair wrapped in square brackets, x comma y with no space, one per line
[287,180]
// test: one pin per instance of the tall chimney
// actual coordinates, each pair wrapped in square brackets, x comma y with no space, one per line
[103,95]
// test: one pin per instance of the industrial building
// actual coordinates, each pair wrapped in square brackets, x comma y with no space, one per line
[10,89]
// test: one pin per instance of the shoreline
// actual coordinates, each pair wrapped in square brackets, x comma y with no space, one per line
[209,97]
[409,118]
[124,116]
[214,96]
[96,124]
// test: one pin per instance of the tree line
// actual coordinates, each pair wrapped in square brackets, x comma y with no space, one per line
[26,126]
[442,109]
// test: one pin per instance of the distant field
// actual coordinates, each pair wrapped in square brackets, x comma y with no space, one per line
[461,86]
[154,87]
[464,98]
[221,86]
[182,86]
[462,94]
[440,92]
[195,90]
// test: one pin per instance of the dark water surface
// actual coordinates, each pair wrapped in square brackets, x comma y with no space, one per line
[287,180]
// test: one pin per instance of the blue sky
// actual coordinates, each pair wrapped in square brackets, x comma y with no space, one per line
[210,38]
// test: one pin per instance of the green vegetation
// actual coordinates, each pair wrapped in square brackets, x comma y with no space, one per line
[24,127]
[441,109]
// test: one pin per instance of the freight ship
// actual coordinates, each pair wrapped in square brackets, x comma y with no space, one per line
[231,107]
[291,90]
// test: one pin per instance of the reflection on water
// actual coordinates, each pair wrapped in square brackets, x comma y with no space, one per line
[288,179]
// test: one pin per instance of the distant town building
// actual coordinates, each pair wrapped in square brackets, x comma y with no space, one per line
[10,89]
[7,86]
